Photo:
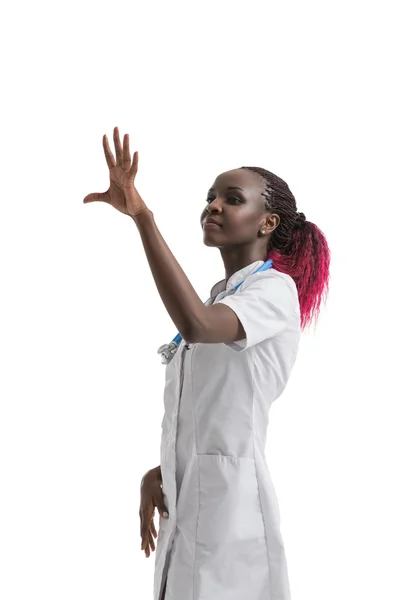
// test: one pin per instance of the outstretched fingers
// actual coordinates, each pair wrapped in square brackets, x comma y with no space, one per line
[123,155]
[135,163]
[109,155]
[118,147]
[126,161]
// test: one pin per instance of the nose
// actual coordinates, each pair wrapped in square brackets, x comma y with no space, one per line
[213,208]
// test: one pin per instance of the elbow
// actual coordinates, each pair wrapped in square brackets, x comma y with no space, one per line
[196,331]
[189,336]
[193,334]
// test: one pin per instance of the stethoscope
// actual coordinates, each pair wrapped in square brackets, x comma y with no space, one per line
[167,351]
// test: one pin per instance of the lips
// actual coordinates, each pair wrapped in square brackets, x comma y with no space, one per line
[210,221]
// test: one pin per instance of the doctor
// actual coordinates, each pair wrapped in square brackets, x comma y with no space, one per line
[231,361]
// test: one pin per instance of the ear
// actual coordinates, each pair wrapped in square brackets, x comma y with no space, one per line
[274,220]
[270,222]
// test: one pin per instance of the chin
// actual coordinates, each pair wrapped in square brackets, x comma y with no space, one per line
[213,244]
[208,239]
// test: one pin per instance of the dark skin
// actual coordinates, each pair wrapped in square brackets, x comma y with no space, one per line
[242,240]
[237,239]
[246,226]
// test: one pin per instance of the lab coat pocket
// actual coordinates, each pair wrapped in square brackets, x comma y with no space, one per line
[230,507]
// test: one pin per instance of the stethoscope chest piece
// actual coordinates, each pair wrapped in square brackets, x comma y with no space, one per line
[167,352]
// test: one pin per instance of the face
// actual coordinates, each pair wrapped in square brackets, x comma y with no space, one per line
[236,202]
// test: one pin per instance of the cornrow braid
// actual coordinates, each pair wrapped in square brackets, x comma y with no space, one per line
[280,200]
[297,247]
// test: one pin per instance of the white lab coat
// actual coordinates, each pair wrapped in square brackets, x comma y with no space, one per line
[222,540]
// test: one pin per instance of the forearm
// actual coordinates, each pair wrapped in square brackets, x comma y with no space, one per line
[177,293]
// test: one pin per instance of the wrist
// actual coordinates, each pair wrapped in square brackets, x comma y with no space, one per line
[143,216]
[156,473]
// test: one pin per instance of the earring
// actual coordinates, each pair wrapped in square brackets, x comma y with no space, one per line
[262,231]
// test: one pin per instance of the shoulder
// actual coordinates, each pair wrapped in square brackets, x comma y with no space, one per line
[266,305]
[272,287]
[271,278]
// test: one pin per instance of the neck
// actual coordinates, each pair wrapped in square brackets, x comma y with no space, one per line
[238,258]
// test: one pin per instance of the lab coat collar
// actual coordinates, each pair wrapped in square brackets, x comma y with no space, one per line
[235,279]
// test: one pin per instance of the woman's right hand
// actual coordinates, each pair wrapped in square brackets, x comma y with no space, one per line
[151,497]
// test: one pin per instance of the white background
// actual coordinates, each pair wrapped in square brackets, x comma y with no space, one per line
[307,90]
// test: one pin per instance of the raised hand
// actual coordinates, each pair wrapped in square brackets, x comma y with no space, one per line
[122,193]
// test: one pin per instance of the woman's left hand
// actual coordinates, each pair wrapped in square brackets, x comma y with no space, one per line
[122,193]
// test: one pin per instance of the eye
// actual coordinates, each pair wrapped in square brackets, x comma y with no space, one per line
[210,199]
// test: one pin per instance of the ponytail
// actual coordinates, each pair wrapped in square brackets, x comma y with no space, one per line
[307,261]
[297,247]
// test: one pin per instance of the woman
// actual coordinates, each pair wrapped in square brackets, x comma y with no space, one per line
[221,536]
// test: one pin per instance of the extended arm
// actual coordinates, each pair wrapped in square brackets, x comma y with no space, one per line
[194,321]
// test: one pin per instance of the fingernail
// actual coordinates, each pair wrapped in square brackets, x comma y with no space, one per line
[165,514]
